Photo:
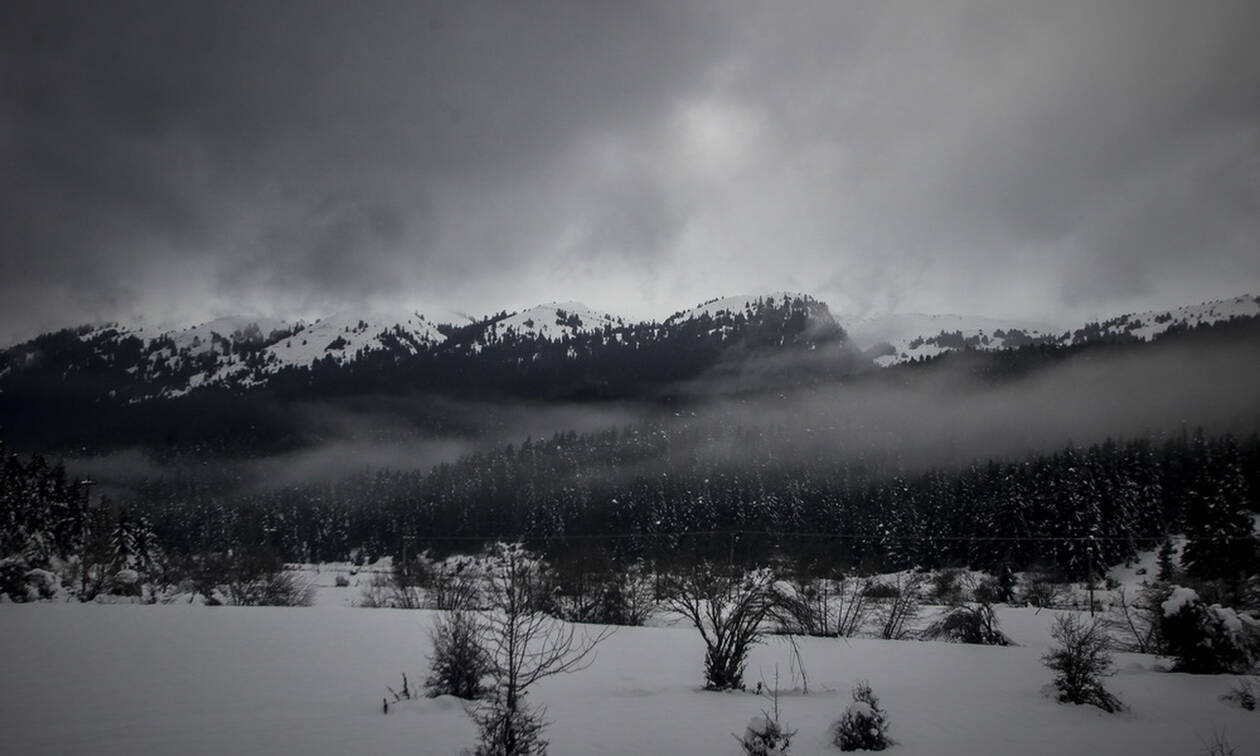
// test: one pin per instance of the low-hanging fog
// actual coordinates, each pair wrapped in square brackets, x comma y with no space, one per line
[944,414]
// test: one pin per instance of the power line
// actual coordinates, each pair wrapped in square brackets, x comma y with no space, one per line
[807,534]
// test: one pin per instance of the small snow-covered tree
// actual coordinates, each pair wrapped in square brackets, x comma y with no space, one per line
[1207,639]
[864,724]
[765,734]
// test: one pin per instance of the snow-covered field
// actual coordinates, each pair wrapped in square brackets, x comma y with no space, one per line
[190,679]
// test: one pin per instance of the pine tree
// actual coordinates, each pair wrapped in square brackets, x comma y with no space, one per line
[122,542]
[1221,544]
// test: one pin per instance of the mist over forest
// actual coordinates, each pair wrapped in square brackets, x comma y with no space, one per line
[958,409]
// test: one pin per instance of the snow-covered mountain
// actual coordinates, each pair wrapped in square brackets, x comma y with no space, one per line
[342,337]
[135,362]
[243,350]
[743,304]
[552,321]
[799,318]
[898,338]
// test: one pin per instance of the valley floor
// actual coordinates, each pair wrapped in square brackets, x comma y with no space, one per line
[98,679]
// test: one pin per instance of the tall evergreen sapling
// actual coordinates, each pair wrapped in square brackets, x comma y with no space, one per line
[1167,570]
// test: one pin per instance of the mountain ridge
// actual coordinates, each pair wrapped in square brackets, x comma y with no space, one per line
[249,351]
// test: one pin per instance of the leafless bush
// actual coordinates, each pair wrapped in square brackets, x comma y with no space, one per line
[406,581]
[1136,621]
[1043,591]
[279,588]
[947,586]
[1080,661]
[968,623]
[377,593]
[523,645]
[728,608]
[823,607]
[1244,694]
[454,586]
[1218,745]
[459,665]
[623,597]
[880,589]
[896,615]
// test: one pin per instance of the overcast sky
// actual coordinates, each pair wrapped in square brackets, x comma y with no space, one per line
[1041,159]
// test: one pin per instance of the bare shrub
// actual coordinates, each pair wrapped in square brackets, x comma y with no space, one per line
[454,586]
[728,608]
[1218,745]
[947,586]
[879,589]
[278,588]
[406,581]
[823,607]
[1080,662]
[459,665]
[624,597]
[1244,694]
[895,615]
[1137,620]
[968,623]
[1044,590]
[523,645]
[377,593]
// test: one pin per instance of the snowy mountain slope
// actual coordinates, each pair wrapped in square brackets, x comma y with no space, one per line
[1147,325]
[344,334]
[905,327]
[899,338]
[135,362]
[201,338]
[341,337]
[552,321]
[743,303]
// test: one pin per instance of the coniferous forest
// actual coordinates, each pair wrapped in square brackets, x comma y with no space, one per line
[752,478]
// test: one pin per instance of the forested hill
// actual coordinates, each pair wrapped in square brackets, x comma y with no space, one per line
[1044,455]
[102,388]
[97,390]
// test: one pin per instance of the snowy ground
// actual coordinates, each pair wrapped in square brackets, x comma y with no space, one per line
[223,680]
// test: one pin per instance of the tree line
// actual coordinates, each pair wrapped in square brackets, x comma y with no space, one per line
[668,493]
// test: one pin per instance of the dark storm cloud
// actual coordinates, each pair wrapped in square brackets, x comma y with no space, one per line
[1016,158]
[309,149]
